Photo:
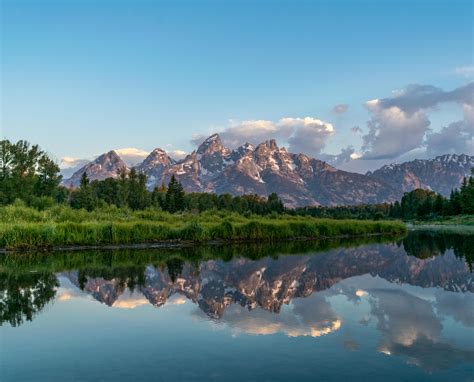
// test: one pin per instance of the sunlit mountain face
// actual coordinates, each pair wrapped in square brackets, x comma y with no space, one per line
[406,303]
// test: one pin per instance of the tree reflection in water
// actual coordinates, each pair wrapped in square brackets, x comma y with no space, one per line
[24,295]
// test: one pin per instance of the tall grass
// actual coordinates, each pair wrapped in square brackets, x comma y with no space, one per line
[23,227]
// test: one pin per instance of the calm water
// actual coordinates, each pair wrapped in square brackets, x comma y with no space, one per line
[297,311]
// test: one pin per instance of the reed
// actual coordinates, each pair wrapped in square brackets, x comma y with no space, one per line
[23,227]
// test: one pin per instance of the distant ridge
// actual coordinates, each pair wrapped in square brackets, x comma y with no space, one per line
[441,174]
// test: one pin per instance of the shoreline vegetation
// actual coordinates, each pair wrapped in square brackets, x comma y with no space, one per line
[461,220]
[23,227]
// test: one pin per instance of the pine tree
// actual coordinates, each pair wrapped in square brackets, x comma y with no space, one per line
[84,181]
[274,204]
[174,199]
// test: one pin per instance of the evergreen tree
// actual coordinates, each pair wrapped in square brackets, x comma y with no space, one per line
[158,197]
[439,205]
[84,197]
[174,199]
[84,182]
[274,204]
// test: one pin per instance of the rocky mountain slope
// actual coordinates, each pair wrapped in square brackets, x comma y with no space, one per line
[441,174]
[298,179]
[107,165]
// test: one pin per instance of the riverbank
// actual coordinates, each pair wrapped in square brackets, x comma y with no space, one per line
[463,224]
[60,226]
[460,220]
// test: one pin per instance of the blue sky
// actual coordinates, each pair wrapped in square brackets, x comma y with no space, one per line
[83,77]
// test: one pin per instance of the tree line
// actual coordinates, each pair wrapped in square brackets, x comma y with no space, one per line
[130,190]
[426,204]
[418,204]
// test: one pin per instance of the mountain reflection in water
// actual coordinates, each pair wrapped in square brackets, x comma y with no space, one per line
[416,293]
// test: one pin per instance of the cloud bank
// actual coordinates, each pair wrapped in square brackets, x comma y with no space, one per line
[306,135]
[400,123]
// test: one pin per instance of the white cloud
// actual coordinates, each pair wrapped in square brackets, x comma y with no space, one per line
[69,165]
[308,135]
[456,138]
[131,155]
[355,156]
[177,154]
[130,301]
[393,132]
[465,71]
[312,317]
[338,160]
[400,124]
[68,162]
[414,98]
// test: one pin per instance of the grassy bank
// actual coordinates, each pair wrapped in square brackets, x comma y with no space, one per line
[461,220]
[23,227]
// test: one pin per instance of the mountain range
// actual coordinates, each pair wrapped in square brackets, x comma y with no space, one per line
[298,179]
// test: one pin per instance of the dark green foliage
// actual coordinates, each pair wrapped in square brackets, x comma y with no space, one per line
[138,195]
[174,198]
[127,190]
[274,204]
[427,244]
[361,212]
[25,295]
[425,204]
[26,173]
[245,204]
[85,197]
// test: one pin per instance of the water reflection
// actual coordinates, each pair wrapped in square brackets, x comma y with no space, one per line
[23,295]
[324,288]
[246,275]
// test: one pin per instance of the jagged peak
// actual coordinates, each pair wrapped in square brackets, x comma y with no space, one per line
[245,148]
[445,158]
[213,137]
[109,154]
[158,150]
[454,158]
[157,156]
[210,145]
[105,165]
[270,144]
